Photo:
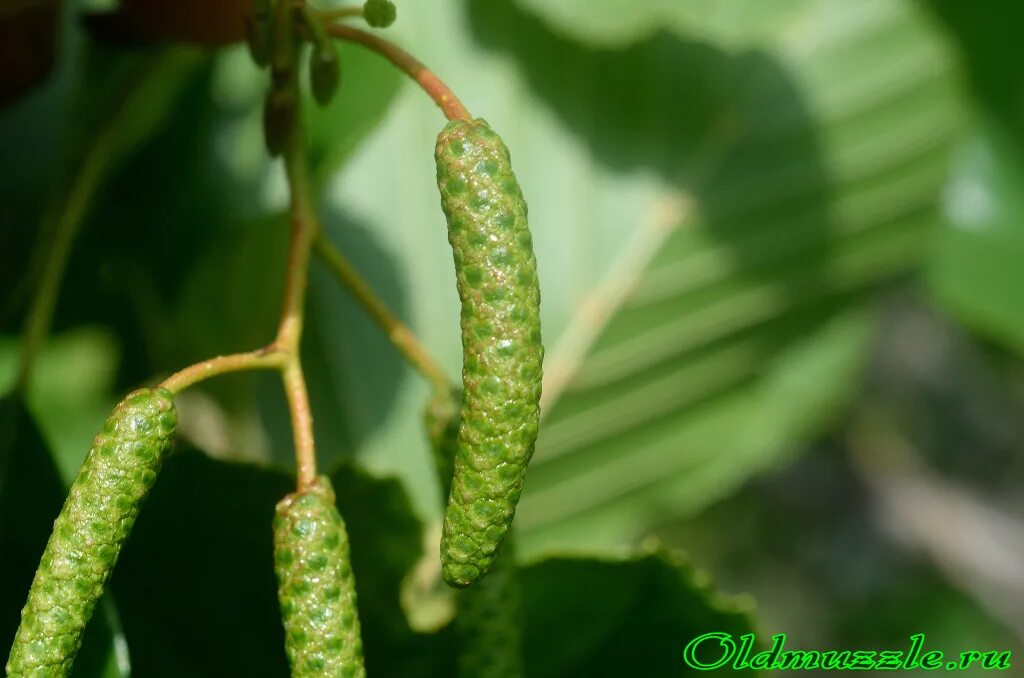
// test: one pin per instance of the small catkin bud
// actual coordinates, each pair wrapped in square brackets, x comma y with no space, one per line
[89,532]
[324,72]
[316,587]
[280,113]
[379,13]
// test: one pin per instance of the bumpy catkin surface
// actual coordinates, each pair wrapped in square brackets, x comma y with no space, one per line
[502,353]
[89,532]
[316,587]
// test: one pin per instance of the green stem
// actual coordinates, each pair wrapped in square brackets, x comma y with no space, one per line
[340,13]
[289,335]
[400,335]
[264,358]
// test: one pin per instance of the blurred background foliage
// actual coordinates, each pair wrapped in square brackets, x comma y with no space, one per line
[779,246]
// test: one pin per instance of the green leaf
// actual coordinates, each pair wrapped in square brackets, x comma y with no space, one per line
[591,617]
[71,392]
[710,224]
[610,22]
[975,271]
[195,585]
[988,42]
[368,86]
[800,180]
[139,90]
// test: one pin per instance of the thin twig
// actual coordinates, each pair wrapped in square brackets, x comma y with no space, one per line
[302,420]
[289,333]
[261,359]
[339,13]
[424,77]
[400,335]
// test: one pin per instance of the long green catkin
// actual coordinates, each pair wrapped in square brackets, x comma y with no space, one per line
[90,530]
[502,353]
[488,614]
[316,587]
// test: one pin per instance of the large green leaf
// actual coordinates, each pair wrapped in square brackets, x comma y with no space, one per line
[807,172]
[612,22]
[195,584]
[990,49]
[976,268]
[620,617]
[712,213]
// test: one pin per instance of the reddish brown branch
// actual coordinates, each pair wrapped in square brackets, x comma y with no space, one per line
[424,77]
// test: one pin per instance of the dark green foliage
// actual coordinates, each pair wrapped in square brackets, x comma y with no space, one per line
[210,518]
[623,617]
[502,352]
[379,13]
[488,622]
[89,532]
[316,586]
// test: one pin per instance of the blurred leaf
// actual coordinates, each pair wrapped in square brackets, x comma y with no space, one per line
[587,617]
[31,495]
[112,101]
[990,49]
[806,172]
[976,266]
[146,102]
[195,584]
[611,22]
[588,494]
[71,393]
[701,214]
[368,86]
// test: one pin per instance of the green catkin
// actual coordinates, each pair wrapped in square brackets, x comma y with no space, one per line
[488,618]
[89,532]
[501,343]
[316,587]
